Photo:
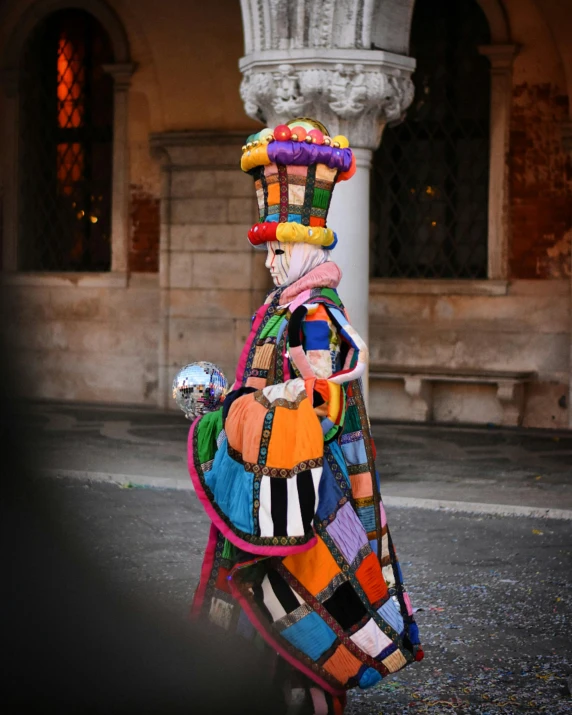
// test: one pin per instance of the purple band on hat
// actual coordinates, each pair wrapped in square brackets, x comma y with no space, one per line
[303,154]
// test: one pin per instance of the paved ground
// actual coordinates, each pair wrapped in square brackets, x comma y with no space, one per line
[494,593]
[523,468]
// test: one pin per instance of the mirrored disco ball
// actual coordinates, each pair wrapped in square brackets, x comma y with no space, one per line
[199,388]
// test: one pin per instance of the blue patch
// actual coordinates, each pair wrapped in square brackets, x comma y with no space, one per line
[386,651]
[327,425]
[316,335]
[311,635]
[367,517]
[329,493]
[368,678]
[413,633]
[295,218]
[390,614]
[354,452]
[244,627]
[231,486]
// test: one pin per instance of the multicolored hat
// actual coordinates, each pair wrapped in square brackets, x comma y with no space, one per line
[295,168]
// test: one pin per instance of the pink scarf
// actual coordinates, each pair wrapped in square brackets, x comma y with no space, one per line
[326,275]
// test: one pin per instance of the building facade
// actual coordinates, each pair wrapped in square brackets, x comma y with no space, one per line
[124,211]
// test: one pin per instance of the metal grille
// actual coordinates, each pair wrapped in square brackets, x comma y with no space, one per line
[430,174]
[65,146]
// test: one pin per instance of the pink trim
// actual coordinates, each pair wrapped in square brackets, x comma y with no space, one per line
[299,358]
[326,275]
[407,602]
[299,300]
[246,349]
[383,516]
[206,568]
[253,618]
[349,357]
[319,702]
[224,529]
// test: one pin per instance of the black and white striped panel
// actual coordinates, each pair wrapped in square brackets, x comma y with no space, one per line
[288,505]
[277,596]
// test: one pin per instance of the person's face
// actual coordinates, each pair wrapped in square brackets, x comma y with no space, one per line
[278,261]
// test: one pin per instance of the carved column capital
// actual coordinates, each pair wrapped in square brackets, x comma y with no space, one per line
[353,92]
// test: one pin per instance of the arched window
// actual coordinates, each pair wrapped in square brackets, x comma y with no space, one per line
[430,174]
[65,146]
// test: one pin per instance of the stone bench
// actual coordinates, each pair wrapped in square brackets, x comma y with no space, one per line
[418,384]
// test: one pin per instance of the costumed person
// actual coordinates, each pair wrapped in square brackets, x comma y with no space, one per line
[300,554]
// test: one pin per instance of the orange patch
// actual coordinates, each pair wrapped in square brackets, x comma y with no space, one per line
[361,485]
[314,568]
[371,578]
[315,221]
[258,382]
[296,437]
[273,194]
[245,412]
[342,665]
[320,313]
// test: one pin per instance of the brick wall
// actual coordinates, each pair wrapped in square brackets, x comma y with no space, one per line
[143,231]
[540,184]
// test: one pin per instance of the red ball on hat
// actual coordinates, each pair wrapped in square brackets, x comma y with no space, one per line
[317,136]
[282,133]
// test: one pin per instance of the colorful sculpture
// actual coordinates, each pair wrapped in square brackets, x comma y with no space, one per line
[299,550]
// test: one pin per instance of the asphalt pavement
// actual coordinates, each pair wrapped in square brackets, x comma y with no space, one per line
[493,594]
[481,519]
[510,471]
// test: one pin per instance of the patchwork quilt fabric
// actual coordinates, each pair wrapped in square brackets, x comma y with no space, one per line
[299,194]
[300,552]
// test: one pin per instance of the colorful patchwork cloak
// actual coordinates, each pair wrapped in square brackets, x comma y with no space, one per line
[299,546]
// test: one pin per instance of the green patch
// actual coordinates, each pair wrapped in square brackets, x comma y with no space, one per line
[321,199]
[207,430]
[272,327]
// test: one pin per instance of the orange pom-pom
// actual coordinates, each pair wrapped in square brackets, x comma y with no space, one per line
[345,175]
[300,134]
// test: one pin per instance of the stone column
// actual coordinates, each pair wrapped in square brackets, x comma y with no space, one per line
[354,93]
[318,60]
[567,144]
[501,58]
[121,74]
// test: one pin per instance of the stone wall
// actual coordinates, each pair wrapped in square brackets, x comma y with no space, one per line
[525,326]
[85,338]
[211,279]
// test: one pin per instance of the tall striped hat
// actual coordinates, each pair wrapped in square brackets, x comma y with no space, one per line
[295,167]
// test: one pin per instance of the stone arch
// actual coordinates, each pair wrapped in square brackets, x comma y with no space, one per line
[497,18]
[34,14]
[121,70]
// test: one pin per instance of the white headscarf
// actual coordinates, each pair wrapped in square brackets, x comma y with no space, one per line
[304,258]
